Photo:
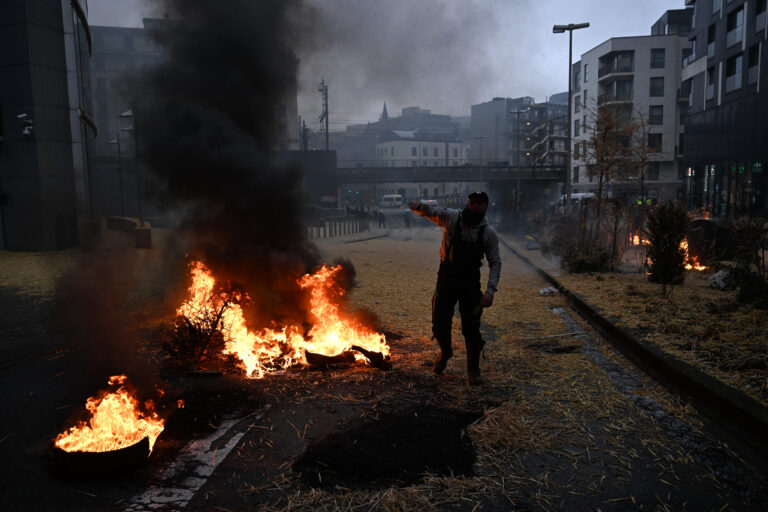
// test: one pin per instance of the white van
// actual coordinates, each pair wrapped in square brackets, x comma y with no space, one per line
[578,197]
[391,201]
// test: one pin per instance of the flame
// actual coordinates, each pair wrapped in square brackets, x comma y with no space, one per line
[637,239]
[116,422]
[691,262]
[267,350]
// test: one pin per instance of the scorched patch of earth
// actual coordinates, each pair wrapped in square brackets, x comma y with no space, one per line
[392,449]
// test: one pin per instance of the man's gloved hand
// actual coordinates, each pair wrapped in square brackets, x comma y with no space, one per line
[413,205]
[486,300]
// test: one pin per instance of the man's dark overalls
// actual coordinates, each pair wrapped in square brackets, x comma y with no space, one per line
[458,280]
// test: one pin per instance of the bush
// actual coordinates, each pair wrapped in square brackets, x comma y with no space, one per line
[579,260]
[666,228]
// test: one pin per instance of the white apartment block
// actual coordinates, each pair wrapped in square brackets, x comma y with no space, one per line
[420,153]
[642,75]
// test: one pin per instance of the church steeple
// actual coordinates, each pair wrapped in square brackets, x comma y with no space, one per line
[384,116]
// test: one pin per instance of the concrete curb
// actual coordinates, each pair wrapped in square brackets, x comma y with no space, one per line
[743,420]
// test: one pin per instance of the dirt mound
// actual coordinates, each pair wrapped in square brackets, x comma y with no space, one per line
[394,449]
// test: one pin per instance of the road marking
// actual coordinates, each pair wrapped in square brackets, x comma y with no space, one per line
[178,483]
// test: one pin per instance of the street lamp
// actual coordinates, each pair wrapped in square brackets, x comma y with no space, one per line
[559,29]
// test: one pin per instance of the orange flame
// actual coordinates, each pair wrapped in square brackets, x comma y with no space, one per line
[116,422]
[636,239]
[268,350]
[691,262]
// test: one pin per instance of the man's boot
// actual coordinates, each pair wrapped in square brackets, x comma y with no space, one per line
[473,364]
[442,359]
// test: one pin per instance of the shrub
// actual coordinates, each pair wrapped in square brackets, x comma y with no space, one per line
[666,227]
[578,260]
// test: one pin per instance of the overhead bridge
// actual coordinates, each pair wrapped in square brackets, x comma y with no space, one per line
[447,174]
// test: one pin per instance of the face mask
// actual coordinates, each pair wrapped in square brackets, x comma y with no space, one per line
[472,218]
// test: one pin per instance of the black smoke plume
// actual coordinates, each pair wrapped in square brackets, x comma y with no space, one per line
[207,121]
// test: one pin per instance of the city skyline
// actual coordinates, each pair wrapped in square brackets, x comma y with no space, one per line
[458,54]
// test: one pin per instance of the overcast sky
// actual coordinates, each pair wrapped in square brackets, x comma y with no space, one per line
[443,55]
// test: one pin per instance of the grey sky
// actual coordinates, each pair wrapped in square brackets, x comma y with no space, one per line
[443,55]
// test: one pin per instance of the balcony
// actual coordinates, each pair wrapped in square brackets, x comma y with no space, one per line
[609,72]
[606,99]
[733,37]
[710,92]
[711,50]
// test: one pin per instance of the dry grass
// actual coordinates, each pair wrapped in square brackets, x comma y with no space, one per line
[698,324]
[553,426]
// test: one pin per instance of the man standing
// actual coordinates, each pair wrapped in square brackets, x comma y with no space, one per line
[467,237]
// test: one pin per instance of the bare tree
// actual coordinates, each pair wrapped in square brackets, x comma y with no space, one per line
[641,152]
[608,153]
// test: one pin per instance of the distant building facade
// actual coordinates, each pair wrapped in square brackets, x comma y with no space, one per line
[357,145]
[726,79]
[494,131]
[46,126]
[406,149]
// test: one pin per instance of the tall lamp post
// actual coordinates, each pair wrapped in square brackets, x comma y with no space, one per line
[559,29]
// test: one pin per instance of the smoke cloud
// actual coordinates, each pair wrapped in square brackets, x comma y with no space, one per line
[206,123]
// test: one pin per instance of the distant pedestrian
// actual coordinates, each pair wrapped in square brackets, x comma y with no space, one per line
[407,219]
[382,220]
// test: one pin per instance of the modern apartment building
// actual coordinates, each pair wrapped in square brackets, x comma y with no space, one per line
[640,77]
[726,136]
[46,126]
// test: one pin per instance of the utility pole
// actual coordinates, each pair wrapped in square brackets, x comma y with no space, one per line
[323,88]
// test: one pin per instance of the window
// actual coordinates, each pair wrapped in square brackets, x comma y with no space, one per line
[392,151]
[752,63]
[434,152]
[711,38]
[733,68]
[455,152]
[656,114]
[576,126]
[653,171]
[654,141]
[657,58]
[735,24]
[424,152]
[760,16]
[585,73]
[657,86]
[576,174]
[577,104]
[414,151]
[683,113]
[710,91]
[577,81]
[576,150]
[716,4]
